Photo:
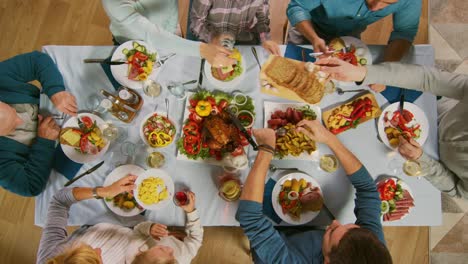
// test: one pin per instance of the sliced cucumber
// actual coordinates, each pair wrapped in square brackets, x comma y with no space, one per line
[140,48]
[384,207]
[125,51]
[135,44]
[363,61]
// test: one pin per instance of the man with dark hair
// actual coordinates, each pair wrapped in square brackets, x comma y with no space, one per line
[362,242]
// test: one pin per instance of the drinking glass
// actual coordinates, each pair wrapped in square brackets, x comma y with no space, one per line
[229,186]
[93,103]
[328,163]
[114,133]
[177,89]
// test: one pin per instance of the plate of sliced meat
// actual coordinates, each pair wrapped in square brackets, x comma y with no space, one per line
[397,199]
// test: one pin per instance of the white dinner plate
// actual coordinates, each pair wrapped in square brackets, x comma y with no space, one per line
[358,44]
[156,173]
[305,217]
[404,186]
[271,107]
[419,118]
[225,86]
[142,135]
[77,156]
[117,174]
[120,72]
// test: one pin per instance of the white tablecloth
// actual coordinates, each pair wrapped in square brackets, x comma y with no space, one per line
[85,79]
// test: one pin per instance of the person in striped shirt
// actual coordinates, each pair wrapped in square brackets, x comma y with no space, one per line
[247,20]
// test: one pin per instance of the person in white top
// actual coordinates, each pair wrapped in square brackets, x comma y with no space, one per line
[108,243]
[154,21]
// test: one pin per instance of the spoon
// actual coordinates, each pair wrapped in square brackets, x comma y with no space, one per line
[167,108]
[341,91]
[273,168]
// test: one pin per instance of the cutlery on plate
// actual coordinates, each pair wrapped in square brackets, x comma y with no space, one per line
[273,168]
[104,61]
[341,91]
[254,51]
[95,167]
[242,129]
[164,59]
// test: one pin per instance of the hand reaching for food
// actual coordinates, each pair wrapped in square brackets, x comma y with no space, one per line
[272,47]
[409,149]
[216,55]
[126,184]
[65,102]
[314,130]
[265,136]
[341,70]
[319,45]
[47,128]
[378,88]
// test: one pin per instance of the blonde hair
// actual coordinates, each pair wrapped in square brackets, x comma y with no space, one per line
[143,258]
[77,255]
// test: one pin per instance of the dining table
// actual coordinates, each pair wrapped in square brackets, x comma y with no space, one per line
[85,80]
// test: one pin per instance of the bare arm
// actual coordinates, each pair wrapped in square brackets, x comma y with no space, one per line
[255,183]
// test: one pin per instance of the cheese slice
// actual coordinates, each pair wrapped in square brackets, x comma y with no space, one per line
[71,137]
[227,69]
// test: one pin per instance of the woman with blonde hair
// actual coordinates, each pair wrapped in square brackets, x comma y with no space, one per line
[105,243]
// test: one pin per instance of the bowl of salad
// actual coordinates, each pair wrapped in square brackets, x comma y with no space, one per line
[157,130]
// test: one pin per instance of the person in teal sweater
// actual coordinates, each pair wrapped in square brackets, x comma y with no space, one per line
[27,140]
[361,242]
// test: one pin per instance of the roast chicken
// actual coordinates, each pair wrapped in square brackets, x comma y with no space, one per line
[219,133]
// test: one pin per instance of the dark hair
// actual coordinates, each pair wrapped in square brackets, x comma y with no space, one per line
[360,245]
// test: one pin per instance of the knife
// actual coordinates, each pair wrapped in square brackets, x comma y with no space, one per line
[84,173]
[402,102]
[330,214]
[200,76]
[254,52]
[104,61]
[242,129]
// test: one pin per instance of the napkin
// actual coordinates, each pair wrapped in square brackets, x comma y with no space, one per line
[268,209]
[298,53]
[64,165]
[392,94]
[107,71]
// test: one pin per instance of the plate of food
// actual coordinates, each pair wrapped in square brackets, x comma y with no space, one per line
[351,114]
[81,138]
[157,130]
[123,204]
[397,199]
[139,67]
[293,80]
[208,134]
[285,116]
[154,189]
[412,123]
[297,198]
[227,78]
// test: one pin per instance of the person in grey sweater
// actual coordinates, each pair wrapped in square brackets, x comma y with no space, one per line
[450,174]
[108,243]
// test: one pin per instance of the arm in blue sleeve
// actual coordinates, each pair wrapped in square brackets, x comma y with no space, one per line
[406,21]
[264,239]
[367,208]
[28,177]
[54,233]
[35,66]
[299,10]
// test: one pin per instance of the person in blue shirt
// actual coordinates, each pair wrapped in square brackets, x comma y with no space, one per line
[318,21]
[361,242]
[27,140]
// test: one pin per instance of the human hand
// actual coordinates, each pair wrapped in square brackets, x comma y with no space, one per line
[319,45]
[190,206]
[65,102]
[314,130]
[158,230]
[216,55]
[377,87]
[47,128]
[272,47]
[126,184]
[341,70]
[409,149]
[265,136]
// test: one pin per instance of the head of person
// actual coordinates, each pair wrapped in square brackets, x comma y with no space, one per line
[376,5]
[81,254]
[347,244]
[156,255]
[9,119]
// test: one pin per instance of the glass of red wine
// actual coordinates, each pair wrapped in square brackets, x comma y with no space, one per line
[181,198]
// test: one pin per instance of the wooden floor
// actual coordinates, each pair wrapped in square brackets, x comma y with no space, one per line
[27,25]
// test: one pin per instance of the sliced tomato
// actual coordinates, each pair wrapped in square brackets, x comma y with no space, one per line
[140,56]
[211,100]
[243,141]
[191,139]
[222,104]
[87,121]
[194,117]
[84,143]
[238,151]
[193,102]
[191,128]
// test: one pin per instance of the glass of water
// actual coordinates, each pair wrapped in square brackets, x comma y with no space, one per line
[177,89]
